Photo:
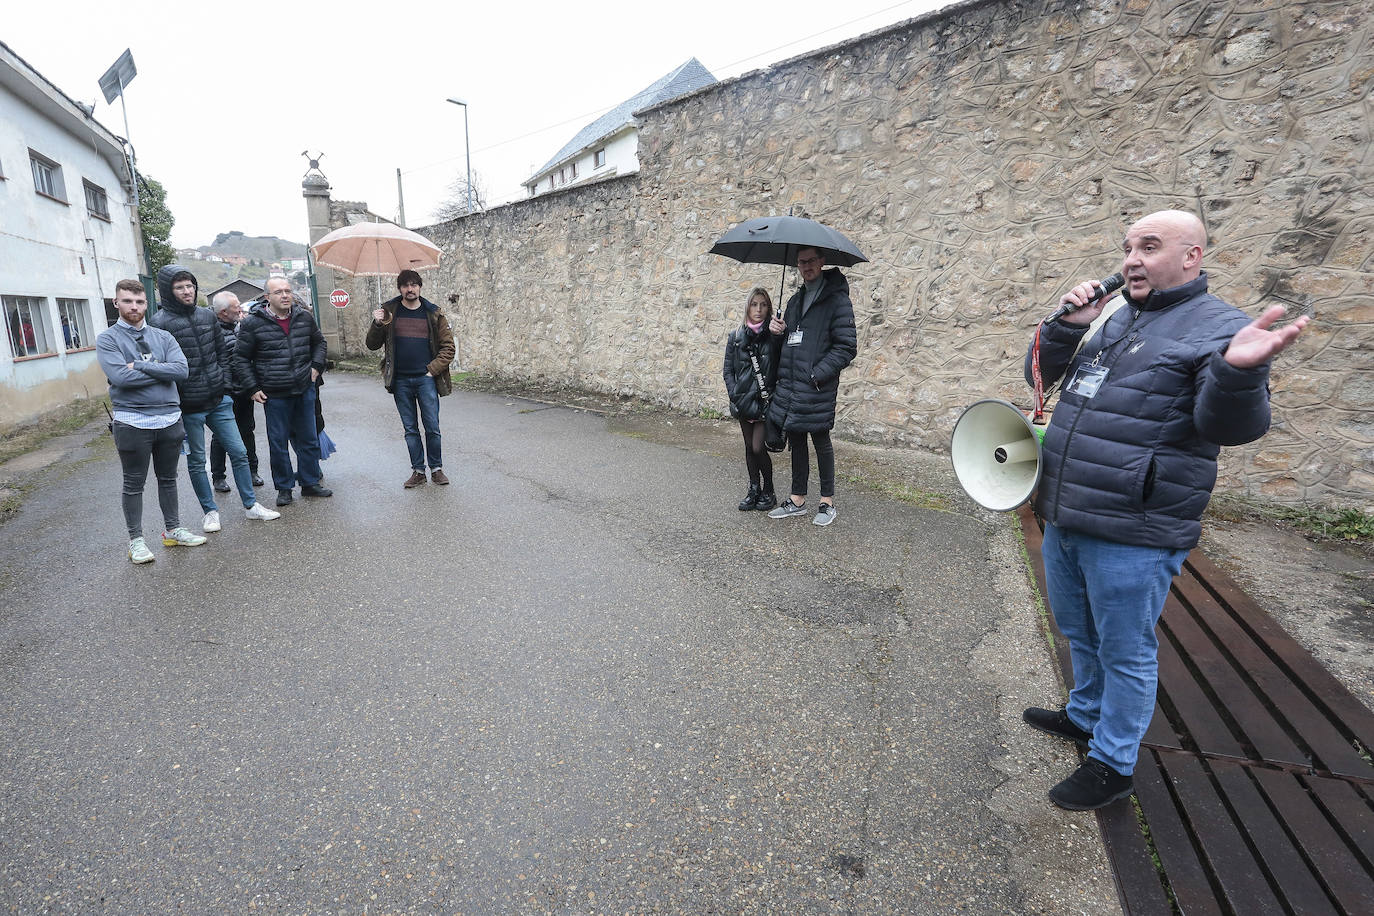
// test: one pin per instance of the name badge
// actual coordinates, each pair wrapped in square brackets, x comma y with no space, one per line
[1087,380]
[794,338]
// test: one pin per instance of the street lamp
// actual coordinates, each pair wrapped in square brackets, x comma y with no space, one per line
[467,148]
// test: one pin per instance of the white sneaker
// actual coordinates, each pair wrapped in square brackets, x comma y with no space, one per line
[139,552]
[259,512]
[180,537]
[211,522]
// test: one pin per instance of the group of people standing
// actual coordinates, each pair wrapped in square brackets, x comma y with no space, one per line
[787,367]
[188,369]
[1128,465]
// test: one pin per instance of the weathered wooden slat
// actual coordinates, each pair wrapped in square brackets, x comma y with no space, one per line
[1196,715]
[1347,878]
[1186,873]
[1280,858]
[1286,699]
[1350,808]
[1242,882]
[1137,880]
[1306,669]
[1243,706]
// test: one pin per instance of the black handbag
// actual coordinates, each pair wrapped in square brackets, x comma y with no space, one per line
[774,435]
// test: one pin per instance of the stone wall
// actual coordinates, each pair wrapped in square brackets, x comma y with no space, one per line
[985,158]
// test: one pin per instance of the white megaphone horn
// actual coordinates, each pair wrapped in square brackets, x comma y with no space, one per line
[996,454]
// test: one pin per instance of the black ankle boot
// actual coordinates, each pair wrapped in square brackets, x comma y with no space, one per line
[750,501]
[767,499]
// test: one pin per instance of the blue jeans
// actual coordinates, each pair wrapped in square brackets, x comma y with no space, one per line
[291,420]
[222,423]
[411,391]
[1107,598]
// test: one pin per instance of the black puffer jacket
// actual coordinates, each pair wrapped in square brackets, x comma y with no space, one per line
[275,363]
[809,372]
[1136,462]
[228,332]
[741,384]
[197,333]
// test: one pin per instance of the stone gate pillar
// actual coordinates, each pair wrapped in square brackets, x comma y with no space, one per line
[315,190]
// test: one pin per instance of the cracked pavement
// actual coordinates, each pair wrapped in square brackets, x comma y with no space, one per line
[578,680]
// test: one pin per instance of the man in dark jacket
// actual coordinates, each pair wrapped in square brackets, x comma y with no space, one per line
[1129,464]
[417,348]
[279,355]
[229,313]
[205,397]
[813,340]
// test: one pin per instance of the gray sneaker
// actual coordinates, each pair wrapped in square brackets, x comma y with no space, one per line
[825,514]
[788,509]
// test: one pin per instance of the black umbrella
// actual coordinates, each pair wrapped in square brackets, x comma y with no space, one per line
[776,239]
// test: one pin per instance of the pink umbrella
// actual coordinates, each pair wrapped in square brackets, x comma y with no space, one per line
[375,250]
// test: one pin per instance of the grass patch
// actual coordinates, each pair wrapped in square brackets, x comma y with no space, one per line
[924,499]
[710,413]
[66,419]
[1312,520]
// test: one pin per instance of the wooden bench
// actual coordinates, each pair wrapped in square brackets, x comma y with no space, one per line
[1255,786]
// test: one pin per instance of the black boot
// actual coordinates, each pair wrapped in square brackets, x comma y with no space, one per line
[767,499]
[751,501]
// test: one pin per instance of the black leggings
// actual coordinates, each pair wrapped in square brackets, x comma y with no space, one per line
[756,457]
[801,462]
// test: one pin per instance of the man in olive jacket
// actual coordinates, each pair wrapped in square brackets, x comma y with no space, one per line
[417,348]
[279,355]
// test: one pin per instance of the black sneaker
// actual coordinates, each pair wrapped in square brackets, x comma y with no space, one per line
[284,498]
[314,489]
[1055,722]
[751,500]
[257,481]
[221,485]
[1093,785]
[767,500]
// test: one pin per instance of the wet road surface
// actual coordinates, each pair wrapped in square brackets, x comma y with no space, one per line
[575,681]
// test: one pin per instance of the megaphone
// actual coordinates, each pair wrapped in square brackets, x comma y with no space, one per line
[996,453]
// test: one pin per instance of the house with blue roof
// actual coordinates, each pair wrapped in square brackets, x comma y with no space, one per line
[610,144]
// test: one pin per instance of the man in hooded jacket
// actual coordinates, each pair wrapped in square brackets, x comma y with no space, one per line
[205,398]
[813,340]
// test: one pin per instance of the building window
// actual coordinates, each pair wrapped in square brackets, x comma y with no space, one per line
[572,170]
[599,158]
[27,320]
[97,204]
[47,177]
[75,315]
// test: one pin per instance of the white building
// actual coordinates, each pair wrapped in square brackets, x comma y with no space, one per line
[68,233]
[610,144]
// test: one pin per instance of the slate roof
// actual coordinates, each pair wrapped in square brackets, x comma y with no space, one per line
[686,78]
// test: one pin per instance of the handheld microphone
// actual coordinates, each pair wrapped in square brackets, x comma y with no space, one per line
[1108,285]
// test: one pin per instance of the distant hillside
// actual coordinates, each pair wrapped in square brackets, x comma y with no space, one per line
[256,247]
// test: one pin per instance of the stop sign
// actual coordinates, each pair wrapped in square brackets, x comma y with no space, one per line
[339,298]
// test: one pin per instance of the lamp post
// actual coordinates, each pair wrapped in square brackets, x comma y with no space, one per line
[467,147]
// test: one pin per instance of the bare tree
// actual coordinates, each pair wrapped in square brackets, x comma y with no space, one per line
[455,204]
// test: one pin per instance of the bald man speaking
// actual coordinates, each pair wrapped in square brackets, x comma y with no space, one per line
[1130,459]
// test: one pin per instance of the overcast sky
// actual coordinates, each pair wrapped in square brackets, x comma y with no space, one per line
[227,96]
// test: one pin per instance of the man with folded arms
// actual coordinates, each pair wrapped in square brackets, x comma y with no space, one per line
[143,365]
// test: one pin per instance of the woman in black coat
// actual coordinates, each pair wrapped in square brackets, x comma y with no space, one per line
[748,352]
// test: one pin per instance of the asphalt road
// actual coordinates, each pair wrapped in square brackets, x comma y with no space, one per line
[575,681]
